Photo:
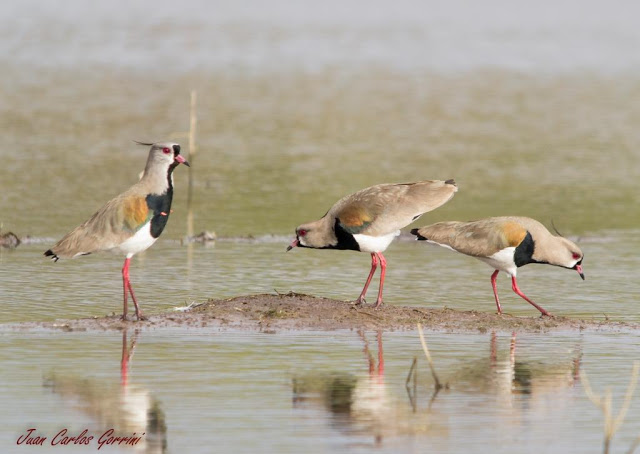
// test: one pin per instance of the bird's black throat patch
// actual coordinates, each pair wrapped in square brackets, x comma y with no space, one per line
[346,241]
[160,205]
[524,252]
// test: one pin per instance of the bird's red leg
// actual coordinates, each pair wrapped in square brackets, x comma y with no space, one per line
[383,269]
[374,265]
[125,277]
[495,290]
[135,303]
[514,286]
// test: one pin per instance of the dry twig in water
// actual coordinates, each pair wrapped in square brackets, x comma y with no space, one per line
[611,424]
[438,384]
[413,372]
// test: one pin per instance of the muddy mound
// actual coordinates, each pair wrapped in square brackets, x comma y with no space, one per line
[294,311]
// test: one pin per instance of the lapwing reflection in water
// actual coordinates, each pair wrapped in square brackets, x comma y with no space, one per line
[127,409]
[363,404]
[520,384]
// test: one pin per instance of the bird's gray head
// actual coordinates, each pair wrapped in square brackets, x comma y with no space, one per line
[557,250]
[164,155]
[317,234]
[570,256]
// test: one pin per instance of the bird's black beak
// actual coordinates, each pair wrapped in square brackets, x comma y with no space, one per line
[293,244]
[578,268]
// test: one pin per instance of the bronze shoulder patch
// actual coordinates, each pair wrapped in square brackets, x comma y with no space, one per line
[135,212]
[354,219]
[514,233]
[354,216]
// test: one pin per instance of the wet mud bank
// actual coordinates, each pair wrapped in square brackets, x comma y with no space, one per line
[294,311]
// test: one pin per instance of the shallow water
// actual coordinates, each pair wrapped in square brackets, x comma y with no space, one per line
[532,108]
[169,275]
[207,390]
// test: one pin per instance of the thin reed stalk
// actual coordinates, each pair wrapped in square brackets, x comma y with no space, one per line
[611,424]
[438,384]
[193,123]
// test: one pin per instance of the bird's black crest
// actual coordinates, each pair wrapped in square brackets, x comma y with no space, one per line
[553,226]
[450,181]
[143,143]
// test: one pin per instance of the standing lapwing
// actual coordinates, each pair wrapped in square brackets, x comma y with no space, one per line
[370,219]
[132,221]
[505,244]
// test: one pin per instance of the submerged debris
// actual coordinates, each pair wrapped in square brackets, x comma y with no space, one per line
[9,240]
[203,237]
[187,307]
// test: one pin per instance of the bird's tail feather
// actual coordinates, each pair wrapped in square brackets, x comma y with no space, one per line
[51,254]
[419,237]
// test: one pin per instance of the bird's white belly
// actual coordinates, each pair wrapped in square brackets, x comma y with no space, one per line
[140,241]
[502,260]
[369,243]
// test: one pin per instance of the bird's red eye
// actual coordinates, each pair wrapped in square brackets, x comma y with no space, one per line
[166,150]
[302,232]
[575,256]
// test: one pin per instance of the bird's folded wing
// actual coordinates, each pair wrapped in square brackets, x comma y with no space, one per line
[386,208]
[111,225]
[479,239]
